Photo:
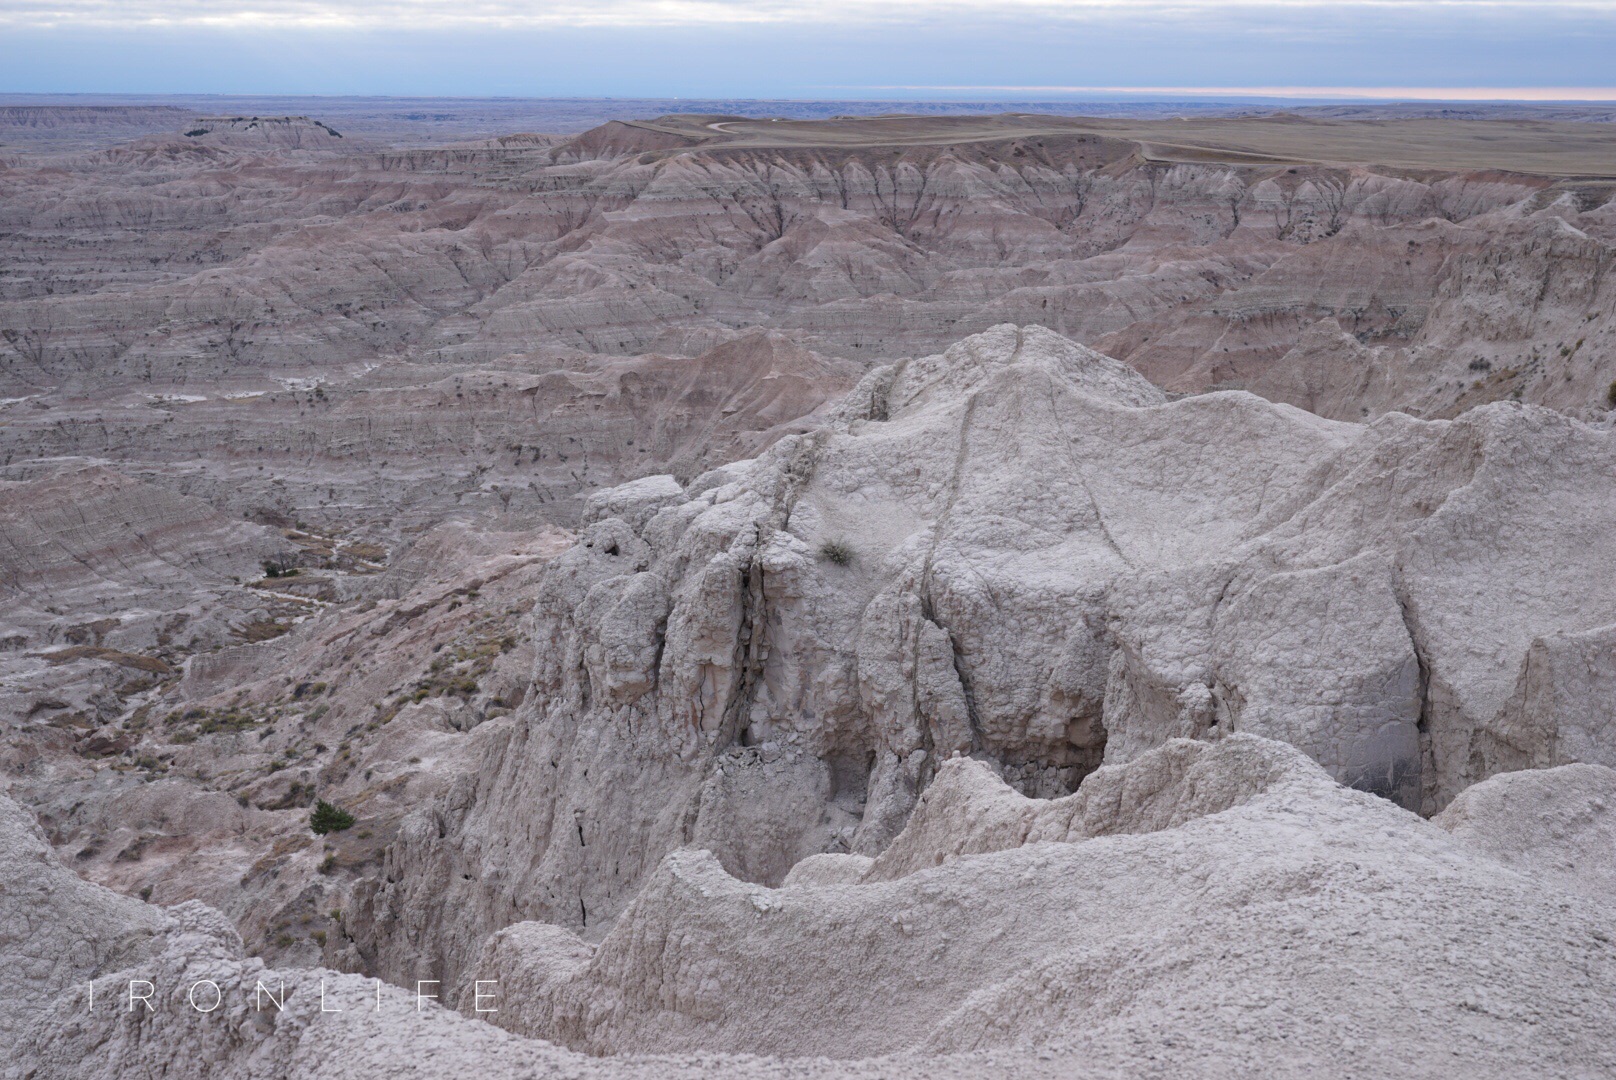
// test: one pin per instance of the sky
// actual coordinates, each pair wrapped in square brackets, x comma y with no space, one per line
[879,49]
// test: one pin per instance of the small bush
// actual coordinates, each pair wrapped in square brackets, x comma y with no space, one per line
[836,552]
[328,819]
[1610,396]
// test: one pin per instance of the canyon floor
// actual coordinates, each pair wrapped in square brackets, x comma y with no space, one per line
[990,594]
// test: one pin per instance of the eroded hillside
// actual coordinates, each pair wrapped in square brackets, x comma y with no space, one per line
[882,594]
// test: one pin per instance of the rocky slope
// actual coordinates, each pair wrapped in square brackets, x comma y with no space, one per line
[1017,550]
[108,583]
[1095,960]
[204,308]
[743,619]
[257,295]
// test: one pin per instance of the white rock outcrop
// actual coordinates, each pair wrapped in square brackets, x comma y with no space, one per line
[1215,910]
[1209,909]
[1022,552]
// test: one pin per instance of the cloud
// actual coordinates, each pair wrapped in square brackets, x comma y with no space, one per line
[470,14]
[1003,49]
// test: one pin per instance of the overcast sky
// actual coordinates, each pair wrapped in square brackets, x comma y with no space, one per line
[1544,49]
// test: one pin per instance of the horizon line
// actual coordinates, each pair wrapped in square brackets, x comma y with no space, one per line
[1568,94]
[1412,94]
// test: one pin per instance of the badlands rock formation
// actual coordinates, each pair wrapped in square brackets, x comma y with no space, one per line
[1139,927]
[1017,550]
[101,573]
[1106,905]
[744,620]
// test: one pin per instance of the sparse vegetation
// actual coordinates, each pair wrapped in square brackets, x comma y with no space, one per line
[454,674]
[112,656]
[836,552]
[327,818]
[263,630]
[1610,396]
[193,723]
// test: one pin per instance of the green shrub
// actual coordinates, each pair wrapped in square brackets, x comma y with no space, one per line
[1610,396]
[836,552]
[328,819]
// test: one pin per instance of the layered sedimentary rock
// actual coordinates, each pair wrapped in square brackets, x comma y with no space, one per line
[266,326]
[1017,550]
[735,626]
[408,446]
[106,583]
[222,258]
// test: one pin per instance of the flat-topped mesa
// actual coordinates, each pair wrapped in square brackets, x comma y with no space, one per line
[278,132]
[1019,551]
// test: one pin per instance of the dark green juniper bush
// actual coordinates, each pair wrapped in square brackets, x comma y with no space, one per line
[328,819]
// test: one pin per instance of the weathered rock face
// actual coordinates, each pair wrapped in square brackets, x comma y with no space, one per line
[55,927]
[104,583]
[1211,909]
[409,446]
[216,258]
[1552,824]
[1084,926]
[1019,551]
